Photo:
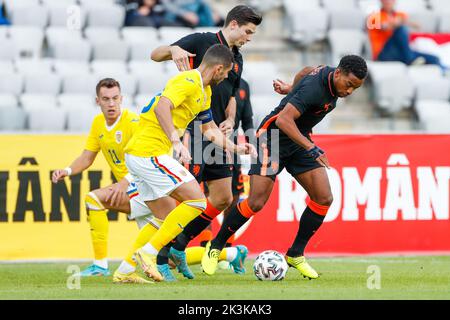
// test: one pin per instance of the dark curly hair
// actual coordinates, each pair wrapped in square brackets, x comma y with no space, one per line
[354,64]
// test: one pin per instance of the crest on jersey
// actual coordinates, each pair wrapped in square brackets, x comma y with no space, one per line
[118,136]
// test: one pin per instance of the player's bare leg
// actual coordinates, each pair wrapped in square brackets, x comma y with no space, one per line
[192,203]
[260,190]
[316,184]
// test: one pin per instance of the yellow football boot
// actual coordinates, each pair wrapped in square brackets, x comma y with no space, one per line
[132,277]
[148,264]
[301,265]
[210,259]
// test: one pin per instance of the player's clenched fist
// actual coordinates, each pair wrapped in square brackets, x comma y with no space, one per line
[181,58]
[247,148]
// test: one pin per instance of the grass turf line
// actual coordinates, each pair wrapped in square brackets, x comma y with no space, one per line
[416,277]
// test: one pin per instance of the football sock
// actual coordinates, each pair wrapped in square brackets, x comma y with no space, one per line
[144,235]
[237,217]
[196,226]
[126,268]
[311,220]
[98,221]
[163,254]
[205,236]
[176,221]
[230,241]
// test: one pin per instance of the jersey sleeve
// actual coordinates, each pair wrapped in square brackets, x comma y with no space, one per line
[179,89]
[205,114]
[189,42]
[92,143]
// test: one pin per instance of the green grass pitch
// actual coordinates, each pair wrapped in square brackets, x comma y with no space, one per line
[412,277]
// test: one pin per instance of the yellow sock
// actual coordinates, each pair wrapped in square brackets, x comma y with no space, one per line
[99,223]
[145,234]
[194,255]
[177,219]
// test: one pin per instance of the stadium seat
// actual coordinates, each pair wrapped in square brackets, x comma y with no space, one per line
[339,4]
[262,105]
[80,120]
[12,84]
[65,15]
[307,25]
[260,76]
[109,66]
[429,83]
[410,6]
[80,83]
[428,20]
[433,115]
[73,50]
[11,5]
[146,67]
[53,3]
[440,6]
[74,101]
[149,84]
[369,6]
[141,51]
[105,15]
[4,32]
[304,4]
[27,41]
[345,41]
[71,67]
[55,34]
[347,19]
[141,100]
[128,82]
[444,22]
[37,101]
[140,35]
[42,83]
[110,50]
[7,51]
[128,102]
[47,119]
[8,100]
[393,88]
[102,34]
[31,66]
[89,3]
[169,35]
[12,118]
[6,67]
[34,15]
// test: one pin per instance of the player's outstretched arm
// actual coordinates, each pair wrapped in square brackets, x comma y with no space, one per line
[179,56]
[213,134]
[284,88]
[286,123]
[80,164]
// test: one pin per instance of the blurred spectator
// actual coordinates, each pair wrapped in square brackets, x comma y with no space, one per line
[389,36]
[3,19]
[145,13]
[191,13]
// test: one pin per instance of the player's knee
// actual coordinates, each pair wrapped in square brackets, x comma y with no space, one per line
[92,202]
[256,205]
[222,202]
[325,200]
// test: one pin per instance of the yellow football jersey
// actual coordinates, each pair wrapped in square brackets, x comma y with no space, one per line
[112,140]
[186,92]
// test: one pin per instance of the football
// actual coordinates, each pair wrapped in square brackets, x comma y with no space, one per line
[270,265]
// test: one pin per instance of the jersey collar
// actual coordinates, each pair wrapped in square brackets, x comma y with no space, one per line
[330,83]
[223,41]
[109,128]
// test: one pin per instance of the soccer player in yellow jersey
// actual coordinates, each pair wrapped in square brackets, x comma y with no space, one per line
[148,154]
[110,132]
